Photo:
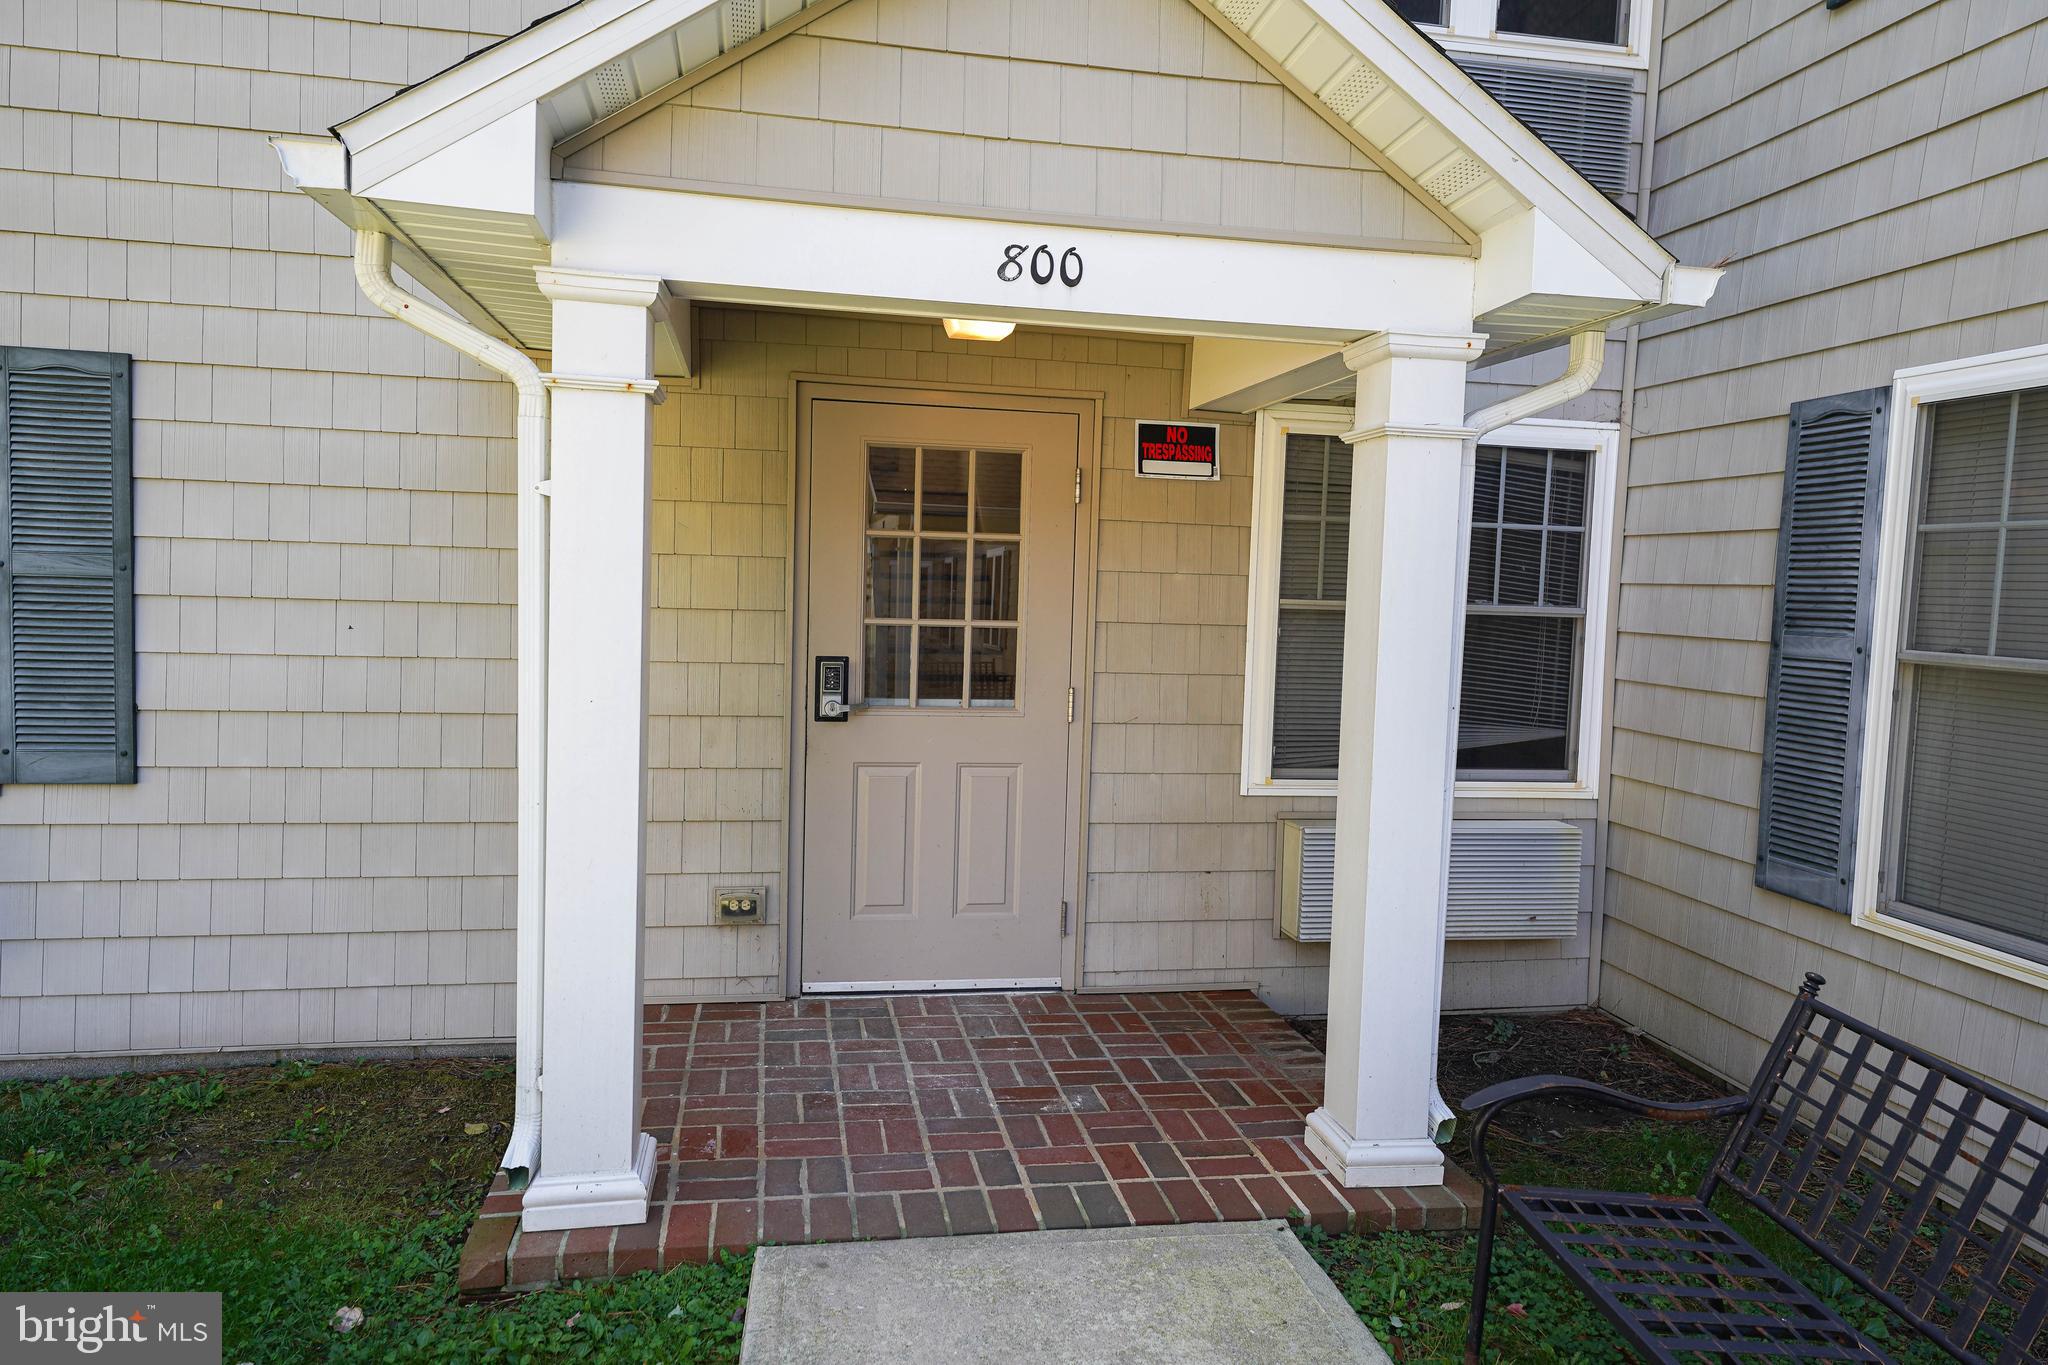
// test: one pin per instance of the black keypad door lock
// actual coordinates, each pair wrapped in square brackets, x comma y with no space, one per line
[832,671]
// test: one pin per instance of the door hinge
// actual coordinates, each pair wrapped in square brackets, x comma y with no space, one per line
[1077,485]
[1063,919]
[1070,706]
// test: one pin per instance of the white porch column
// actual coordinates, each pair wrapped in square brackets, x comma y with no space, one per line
[1395,758]
[596,1166]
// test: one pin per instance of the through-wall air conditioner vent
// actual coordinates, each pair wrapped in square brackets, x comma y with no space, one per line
[1308,870]
[1586,117]
[1510,879]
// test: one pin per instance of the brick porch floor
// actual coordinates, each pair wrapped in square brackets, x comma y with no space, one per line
[830,1120]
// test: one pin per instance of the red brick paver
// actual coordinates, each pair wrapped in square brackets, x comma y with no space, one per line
[928,1115]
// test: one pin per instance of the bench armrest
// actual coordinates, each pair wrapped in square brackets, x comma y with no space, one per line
[1490,1101]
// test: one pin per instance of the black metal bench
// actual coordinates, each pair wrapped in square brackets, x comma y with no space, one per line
[1920,1182]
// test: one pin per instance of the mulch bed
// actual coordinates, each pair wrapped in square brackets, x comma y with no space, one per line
[1476,1050]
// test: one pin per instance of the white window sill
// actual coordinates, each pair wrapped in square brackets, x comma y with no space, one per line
[1497,791]
[1542,49]
[1953,947]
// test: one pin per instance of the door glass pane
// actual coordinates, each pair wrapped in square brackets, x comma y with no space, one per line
[892,482]
[945,490]
[993,681]
[998,492]
[1585,21]
[886,679]
[940,664]
[942,580]
[891,563]
[995,580]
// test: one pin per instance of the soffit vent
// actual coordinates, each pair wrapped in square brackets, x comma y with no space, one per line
[1588,118]
[1455,179]
[1241,12]
[611,88]
[1357,87]
[742,21]
[1509,879]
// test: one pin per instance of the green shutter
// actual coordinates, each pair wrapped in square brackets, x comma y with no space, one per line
[1820,647]
[67,569]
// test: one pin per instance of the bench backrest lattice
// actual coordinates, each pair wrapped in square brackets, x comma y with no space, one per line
[1920,1182]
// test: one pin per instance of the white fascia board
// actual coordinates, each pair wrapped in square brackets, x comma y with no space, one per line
[1457,104]
[413,124]
[730,249]
[1531,254]
[502,167]
[1230,374]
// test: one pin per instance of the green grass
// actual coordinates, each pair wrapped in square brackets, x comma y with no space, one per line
[298,1190]
[1412,1289]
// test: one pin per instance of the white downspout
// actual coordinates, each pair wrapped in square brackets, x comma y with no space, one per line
[373,273]
[1581,371]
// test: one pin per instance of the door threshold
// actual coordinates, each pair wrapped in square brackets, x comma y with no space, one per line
[1021,983]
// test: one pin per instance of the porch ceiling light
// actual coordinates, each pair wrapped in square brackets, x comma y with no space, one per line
[978,329]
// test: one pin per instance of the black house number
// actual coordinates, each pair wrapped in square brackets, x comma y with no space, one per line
[1043,266]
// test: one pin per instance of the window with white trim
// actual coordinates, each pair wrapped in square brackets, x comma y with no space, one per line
[1967,852]
[1535,578]
[1577,21]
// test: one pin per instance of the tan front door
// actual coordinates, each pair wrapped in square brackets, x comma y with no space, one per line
[941,563]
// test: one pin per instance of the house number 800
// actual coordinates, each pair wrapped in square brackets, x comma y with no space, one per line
[1040,262]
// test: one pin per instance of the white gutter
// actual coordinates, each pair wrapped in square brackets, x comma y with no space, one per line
[1581,371]
[373,273]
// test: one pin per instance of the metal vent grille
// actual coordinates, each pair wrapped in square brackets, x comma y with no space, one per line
[742,21]
[613,86]
[1585,117]
[1455,181]
[1514,879]
[1241,12]
[1352,91]
[1510,879]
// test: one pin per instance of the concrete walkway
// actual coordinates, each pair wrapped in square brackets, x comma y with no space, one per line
[1189,1294]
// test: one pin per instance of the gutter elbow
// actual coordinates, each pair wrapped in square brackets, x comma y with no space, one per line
[1581,372]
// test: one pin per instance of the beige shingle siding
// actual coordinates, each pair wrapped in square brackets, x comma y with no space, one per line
[1129,111]
[1872,173]
[319,849]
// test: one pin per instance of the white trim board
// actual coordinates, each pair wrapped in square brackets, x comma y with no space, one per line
[1603,439]
[1912,389]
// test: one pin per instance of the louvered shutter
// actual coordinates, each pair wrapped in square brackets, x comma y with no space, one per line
[1586,117]
[67,653]
[1820,643]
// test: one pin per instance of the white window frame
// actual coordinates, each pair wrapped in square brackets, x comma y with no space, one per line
[1470,28]
[1262,611]
[1912,389]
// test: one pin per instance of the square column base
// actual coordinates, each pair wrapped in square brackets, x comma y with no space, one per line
[1360,1164]
[598,1200]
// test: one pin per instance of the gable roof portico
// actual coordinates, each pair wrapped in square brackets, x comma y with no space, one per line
[461,169]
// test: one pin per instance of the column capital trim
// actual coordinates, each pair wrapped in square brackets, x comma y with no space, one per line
[1361,435]
[649,389]
[596,286]
[1461,346]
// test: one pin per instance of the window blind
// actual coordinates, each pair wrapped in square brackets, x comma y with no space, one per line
[1308,669]
[1974,833]
[1973,813]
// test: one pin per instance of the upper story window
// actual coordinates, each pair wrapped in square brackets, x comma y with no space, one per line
[1535,586]
[1575,30]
